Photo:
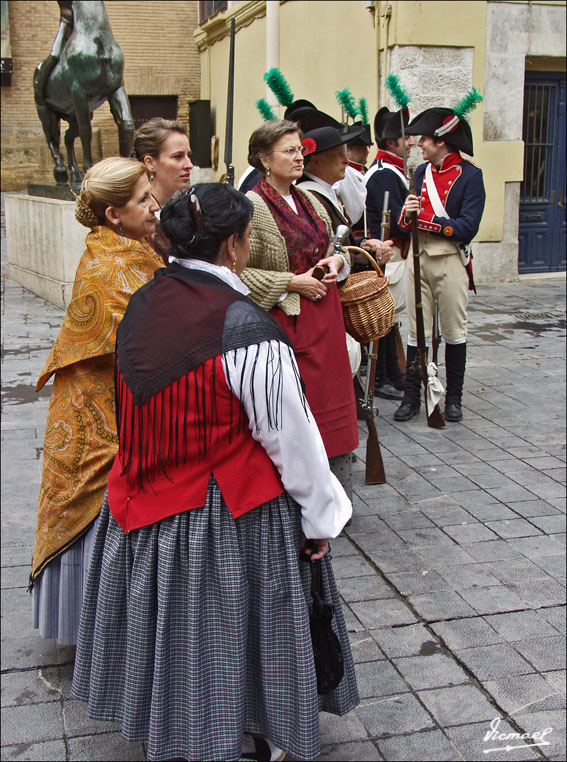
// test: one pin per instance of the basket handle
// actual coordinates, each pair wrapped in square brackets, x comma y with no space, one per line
[368,256]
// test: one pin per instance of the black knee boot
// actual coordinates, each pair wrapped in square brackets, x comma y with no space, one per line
[382,386]
[393,371]
[412,389]
[455,361]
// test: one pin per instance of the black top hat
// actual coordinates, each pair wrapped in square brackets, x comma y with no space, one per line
[301,103]
[387,124]
[311,119]
[323,139]
[364,139]
[443,123]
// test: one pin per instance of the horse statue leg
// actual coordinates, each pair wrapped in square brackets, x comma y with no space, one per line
[83,116]
[120,110]
[70,135]
[49,121]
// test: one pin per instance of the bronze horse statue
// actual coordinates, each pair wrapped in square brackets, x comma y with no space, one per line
[84,69]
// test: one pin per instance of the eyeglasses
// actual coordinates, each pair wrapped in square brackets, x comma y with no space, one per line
[290,152]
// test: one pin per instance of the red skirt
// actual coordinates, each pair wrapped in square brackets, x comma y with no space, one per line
[319,343]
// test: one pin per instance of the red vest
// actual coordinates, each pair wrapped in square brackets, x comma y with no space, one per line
[244,472]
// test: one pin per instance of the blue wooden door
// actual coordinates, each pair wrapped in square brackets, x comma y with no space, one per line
[542,197]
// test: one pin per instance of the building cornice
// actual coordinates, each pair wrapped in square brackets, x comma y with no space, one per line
[217,28]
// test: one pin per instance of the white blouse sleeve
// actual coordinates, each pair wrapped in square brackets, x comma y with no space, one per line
[289,434]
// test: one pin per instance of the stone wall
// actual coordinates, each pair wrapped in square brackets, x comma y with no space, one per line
[151,68]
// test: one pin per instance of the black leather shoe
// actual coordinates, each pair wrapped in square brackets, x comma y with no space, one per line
[406,411]
[387,392]
[453,412]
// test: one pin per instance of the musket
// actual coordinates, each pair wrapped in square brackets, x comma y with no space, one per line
[375,473]
[229,176]
[434,417]
[435,335]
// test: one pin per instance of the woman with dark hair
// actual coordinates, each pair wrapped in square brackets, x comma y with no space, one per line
[290,235]
[195,628]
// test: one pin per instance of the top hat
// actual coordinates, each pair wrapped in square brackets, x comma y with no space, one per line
[363,139]
[387,124]
[443,123]
[324,138]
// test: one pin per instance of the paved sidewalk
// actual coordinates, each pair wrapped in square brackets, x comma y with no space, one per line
[452,573]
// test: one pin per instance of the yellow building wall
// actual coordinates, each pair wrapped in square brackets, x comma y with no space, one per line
[326,46]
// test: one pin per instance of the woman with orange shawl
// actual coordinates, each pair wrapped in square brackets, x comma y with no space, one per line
[80,435]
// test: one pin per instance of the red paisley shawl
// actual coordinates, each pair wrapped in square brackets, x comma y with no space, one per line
[305,233]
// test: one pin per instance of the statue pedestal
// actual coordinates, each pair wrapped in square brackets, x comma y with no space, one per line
[44,244]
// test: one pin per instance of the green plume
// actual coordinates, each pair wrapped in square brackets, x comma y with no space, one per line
[278,85]
[265,109]
[467,104]
[397,91]
[363,110]
[346,100]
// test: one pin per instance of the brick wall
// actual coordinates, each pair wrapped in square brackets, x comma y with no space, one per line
[156,37]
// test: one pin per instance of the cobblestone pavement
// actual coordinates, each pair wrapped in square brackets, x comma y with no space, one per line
[452,573]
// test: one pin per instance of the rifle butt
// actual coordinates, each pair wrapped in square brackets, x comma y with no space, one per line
[435,419]
[375,473]
[400,348]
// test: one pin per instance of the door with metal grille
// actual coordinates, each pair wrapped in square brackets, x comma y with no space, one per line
[542,198]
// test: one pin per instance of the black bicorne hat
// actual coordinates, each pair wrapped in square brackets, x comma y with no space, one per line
[310,119]
[387,124]
[301,103]
[443,123]
[324,138]
[364,139]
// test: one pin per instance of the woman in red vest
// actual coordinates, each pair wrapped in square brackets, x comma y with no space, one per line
[195,627]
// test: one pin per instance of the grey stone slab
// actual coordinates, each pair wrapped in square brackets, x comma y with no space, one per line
[544,653]
[529,508]
[520,692]
[400,714]
[32,723]
[408,520]
[453,484]
[362,751]
[518,571]
[544,461]
[15,577]
[549,524]
[383,613]
[494,550]
[109,746]
[556,678]
[365,588]
[470,533]
[532,547]
[469,575]
[431,671]
[539,593]
[549,490]
[390,561]
[443,556]
[474,497]
[457,705]
[364,647]
[538,722]
[19,688]
[467,633]
[509,528]
[442,604]
[342,546]
[341,729]
[412,640]
[494,479]
[78,723]
[366,525]
[429,744]
[498,599]
[48,751]
[351,566]
[420,581]
[471,742]
[18,555]
[352,622]
[520,625]
[510,494]
[555,616]
[378,678]
[419,537]
[490,662]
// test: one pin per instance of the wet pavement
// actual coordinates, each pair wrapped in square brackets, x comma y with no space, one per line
[452,574]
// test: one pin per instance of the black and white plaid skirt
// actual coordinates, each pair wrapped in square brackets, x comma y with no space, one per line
[195,630]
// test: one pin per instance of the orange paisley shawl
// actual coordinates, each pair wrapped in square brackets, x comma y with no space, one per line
[80,435]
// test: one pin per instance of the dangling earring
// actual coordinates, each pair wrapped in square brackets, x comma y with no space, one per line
[152,176]
[120,227]
[234,265]
[268,172]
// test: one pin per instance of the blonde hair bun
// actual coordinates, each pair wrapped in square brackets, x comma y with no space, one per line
[84,214]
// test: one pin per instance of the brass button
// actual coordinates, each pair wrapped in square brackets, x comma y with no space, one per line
[316,249]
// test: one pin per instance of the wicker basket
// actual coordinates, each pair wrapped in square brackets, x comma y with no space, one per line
[368,305]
